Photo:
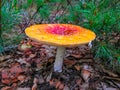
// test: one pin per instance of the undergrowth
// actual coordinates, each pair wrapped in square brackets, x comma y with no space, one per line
[101,16]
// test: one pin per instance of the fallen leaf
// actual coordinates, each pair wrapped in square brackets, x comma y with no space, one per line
[21,78]
[79,82]
[34,87]
[53,82]
[49,77]
[110,89]
[77,67]
[41,79]
[35,81]
[14,85]
[85,74]
[6,81]
[14,80]
[69,62]
[24,47]
[84,86]
[5,57]
[7,78]
[7,88]
[23,88]
[28,52]
[57,84]
[32,55]
[35,44]
[16,69]
[5,73]
[66,87]
[76,55]
[39,66]
[23,61]
[61,86]
[51,60]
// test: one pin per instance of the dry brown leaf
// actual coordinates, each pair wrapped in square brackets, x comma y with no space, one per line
[21,78]
[7,88]
[76,55]
[77,67]
[14,84]
[49,77]
[6,76]
[39,66]
[34,87]
[35,44]
[57,84]
[23,88]
[5,57]
[5,73]
[14,80]
[16,69]
[41,79]
[6,81]
[79,82]
[69,62]
[84,86]
[51,60]
[61,86]
[53,82]
[85,61]
[110,89]
[32,55]
[23,61]
[85,74]
[66,87]
[35,81]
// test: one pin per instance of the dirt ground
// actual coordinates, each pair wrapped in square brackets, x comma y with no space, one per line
[30,67]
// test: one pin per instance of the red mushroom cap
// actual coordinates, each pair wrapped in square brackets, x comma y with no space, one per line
[66,35]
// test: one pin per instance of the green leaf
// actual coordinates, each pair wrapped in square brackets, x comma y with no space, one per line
[29,2]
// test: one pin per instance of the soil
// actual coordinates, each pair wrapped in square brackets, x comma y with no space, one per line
[30,67]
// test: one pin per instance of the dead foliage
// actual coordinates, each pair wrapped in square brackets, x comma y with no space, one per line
[31,68]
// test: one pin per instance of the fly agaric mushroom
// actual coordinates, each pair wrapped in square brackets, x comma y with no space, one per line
[60,35]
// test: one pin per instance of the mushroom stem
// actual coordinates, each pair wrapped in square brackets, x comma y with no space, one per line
[59,59]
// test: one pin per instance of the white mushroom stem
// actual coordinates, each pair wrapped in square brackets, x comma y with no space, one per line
[59,59]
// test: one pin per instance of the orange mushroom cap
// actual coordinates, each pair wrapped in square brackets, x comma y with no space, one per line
[66,35]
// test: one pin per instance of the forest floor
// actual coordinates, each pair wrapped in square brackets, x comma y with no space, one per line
[30,67]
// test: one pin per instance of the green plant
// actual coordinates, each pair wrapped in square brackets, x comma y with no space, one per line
[101,16]
[11,16]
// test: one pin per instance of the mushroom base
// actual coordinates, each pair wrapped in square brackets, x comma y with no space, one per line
[59,59]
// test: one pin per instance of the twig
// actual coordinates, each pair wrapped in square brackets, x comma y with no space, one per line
[52,19]
[29,21]
[70,4]
[73,87]
[118,86]
[85,61]
[108,72]
[31,18]
[111,78]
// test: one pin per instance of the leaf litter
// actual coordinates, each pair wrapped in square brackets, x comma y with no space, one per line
[31,68]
